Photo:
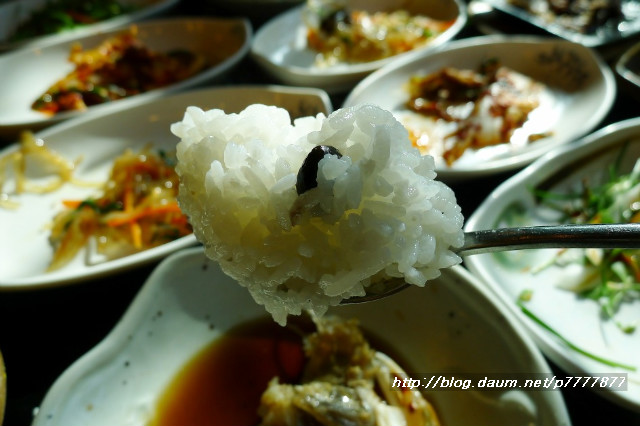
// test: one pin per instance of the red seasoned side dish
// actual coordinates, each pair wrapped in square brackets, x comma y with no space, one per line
[453,110]
[120,67]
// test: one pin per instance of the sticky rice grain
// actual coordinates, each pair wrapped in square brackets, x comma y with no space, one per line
[377,212]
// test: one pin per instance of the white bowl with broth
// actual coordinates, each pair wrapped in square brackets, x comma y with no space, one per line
[450,328]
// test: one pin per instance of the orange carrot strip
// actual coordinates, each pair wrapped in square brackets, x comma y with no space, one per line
[71,203]
[179,220]
[136,234]
[128,208]
[149,211]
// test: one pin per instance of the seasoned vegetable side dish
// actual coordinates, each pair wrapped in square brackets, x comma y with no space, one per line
[610,277]
[60,15]
[136,210]
[452,110]
[58,170]
[342,35]
[120,67]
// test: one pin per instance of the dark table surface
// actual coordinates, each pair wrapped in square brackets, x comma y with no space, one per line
[43,332]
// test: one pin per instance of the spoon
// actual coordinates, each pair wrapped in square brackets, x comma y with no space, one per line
[606,236]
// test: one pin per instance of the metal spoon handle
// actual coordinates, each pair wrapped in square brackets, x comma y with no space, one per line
[607,236]
[617,235]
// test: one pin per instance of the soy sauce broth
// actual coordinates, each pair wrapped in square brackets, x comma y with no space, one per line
[222,384]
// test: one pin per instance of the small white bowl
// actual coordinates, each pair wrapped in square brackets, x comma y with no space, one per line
[579,92]
[97,140]
[576,318]
[14,13]
[451,327]
[280,45]
[29,72]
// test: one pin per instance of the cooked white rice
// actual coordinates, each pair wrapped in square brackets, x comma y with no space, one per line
[376,213]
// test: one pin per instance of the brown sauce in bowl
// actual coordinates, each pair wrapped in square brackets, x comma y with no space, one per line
[222,384]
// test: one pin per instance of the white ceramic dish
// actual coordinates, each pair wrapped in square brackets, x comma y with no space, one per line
[28,73]
[14,13]
[98,139]
[449,327]
[280,45]
[628,66]
[602,35]
[508,274]
[579,92]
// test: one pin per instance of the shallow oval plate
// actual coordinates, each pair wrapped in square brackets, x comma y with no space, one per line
[224,42]
[14,13]
[601,36]
[188,302]
[579,92]
[280,45]
[576,319]
[97,140]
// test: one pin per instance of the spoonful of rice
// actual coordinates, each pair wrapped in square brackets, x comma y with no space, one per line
[330,210]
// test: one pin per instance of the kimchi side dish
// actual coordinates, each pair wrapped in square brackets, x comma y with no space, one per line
[120,67]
